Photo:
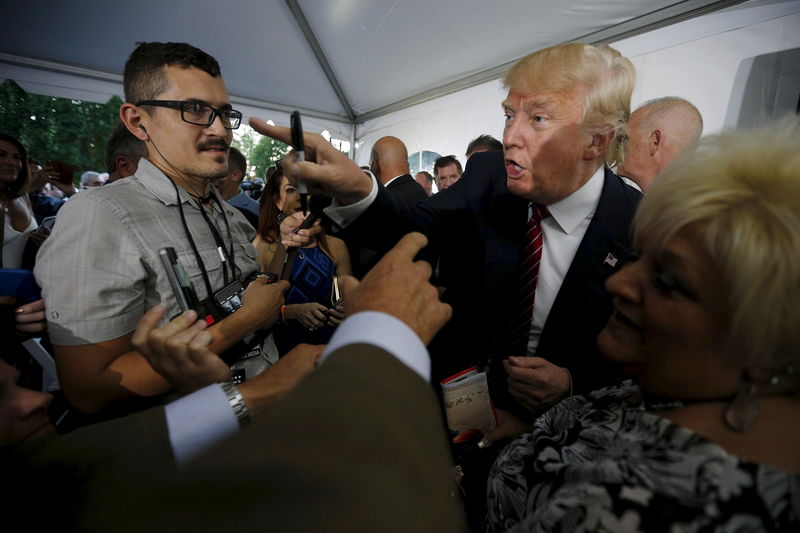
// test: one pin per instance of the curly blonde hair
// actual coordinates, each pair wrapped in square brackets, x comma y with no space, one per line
[740,192]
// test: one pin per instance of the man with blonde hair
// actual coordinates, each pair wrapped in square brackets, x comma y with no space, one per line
[658,132]
[565,108]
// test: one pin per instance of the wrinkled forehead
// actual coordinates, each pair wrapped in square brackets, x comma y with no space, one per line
[191,83]
[560,103]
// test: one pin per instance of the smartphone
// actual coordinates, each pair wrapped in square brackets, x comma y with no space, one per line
[182,287]
[299,148]
[229,298]
[65,171]
[336,295]
[47,223]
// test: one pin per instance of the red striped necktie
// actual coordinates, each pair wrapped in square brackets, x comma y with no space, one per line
[521,313]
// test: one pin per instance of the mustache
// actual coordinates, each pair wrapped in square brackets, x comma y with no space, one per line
[213,143]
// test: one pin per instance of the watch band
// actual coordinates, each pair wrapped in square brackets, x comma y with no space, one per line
[236,402]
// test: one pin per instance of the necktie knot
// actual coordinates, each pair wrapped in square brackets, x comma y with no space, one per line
[539,212]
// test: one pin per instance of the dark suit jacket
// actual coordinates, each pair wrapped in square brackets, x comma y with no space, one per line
[52,483]
[407,189]
[357,446]
[363,258]
[476,229]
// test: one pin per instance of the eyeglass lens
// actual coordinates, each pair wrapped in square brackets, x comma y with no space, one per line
[203,115]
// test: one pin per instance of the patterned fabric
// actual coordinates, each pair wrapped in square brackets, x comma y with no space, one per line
[600,462]
[312,280]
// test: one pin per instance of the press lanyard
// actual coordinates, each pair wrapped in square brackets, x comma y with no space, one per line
[225,255]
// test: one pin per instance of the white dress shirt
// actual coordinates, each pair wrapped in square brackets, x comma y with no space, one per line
[562,233]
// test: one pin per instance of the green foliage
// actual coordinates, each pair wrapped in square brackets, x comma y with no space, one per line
[266,153]
[50,128]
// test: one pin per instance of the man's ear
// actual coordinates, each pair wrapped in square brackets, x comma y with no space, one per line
[599,145]
[133,118]
[654,142]
[124,166]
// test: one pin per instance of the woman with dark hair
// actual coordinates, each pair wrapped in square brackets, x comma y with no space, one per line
[16,227]
[312,311]
[18,219]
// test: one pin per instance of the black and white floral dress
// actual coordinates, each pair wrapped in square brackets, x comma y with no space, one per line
[600,462]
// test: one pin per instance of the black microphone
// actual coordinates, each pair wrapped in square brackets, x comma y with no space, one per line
[316,203]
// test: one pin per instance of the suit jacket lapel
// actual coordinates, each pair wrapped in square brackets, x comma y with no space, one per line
[602,252]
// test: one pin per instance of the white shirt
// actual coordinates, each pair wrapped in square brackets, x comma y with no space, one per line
[562,232]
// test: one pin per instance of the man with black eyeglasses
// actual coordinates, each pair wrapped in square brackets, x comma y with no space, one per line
[100,270]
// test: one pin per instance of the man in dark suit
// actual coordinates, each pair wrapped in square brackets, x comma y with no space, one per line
[389,163]
[565,111]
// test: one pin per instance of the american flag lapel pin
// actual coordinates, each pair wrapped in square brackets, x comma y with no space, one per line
[611,260]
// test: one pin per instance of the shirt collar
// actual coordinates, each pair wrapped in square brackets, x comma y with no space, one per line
[391,180]
[570,211]
[155,181]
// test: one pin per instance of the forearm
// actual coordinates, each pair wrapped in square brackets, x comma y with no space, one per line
[234,328]
[90,388]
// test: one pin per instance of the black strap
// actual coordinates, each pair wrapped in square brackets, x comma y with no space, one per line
[229,253]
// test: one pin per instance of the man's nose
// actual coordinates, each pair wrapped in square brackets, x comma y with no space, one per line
[511,133]
[216,127]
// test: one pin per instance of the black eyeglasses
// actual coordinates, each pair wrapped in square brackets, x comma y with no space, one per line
[199,113]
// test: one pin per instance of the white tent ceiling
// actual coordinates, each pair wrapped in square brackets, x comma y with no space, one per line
[342,61]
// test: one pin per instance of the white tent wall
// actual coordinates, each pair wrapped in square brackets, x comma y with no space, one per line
[697,59]
[444,125]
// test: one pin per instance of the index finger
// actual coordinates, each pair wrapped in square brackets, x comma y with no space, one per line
[409,246]
[280,133]
[526,362]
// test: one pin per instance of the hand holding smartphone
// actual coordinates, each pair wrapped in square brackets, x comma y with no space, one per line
[64,171]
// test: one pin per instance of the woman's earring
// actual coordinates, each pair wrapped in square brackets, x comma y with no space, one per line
[280,217]
[742,411]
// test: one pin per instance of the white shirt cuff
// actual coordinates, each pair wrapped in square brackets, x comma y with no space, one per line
[198,421]
[386,332]
[344,215]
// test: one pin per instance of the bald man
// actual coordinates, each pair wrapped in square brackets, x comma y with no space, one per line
[389,163]
[658,131]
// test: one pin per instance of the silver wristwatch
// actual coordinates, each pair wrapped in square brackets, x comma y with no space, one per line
[236,401]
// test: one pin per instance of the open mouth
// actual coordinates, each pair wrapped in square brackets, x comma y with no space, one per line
[513,170]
